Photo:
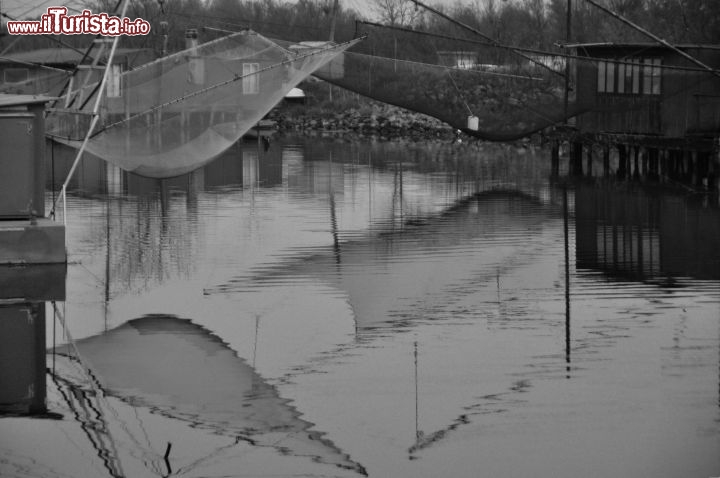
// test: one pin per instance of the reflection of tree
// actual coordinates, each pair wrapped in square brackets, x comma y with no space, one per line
[151,238]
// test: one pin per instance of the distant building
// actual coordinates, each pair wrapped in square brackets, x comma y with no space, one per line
[41,71]
[296,95]
[477,60]
[554,62]
[460,59]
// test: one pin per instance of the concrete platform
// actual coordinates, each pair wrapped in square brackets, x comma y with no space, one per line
[32,282]
[32,242]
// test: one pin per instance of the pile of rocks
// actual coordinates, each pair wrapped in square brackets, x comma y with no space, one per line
[376,120]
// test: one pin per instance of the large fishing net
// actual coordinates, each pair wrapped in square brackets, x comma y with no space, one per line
[178,113]
[489,92]
[492,105]
[501,93]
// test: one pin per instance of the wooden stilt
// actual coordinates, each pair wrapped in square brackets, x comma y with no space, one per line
[622,158]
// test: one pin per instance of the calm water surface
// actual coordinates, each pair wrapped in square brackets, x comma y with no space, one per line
[331,308]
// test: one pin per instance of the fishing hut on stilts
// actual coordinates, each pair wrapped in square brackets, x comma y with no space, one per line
[652,112]
[647,110]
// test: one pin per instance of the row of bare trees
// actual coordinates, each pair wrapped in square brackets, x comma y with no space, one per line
[542,23]
[528,23]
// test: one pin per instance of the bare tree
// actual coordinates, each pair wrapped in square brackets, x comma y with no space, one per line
[537,11]
[396,12]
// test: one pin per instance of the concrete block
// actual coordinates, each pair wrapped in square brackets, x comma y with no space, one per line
[32,242]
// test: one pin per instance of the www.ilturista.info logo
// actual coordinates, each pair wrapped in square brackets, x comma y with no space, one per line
[57,22]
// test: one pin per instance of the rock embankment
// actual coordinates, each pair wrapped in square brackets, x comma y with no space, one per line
[376,120]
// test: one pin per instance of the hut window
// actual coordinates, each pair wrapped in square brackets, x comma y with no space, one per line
[601,76]
[607,73]
[636,77]
[610,79]
[630,76]
[250,81]
[16,75]
[114,84]
[628,80]
[647,76]
[196,70]
[656,76]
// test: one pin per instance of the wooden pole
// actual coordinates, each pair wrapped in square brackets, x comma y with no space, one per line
[568,37]
[567,281]
[333,20]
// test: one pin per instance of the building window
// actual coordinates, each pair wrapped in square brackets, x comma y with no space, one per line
[113,86]
[656,76]
[251,78]
[606,77]
[196,69]
[630,76]
[16,75]
[610,79]
[601,76]
[647,76]
[636,77]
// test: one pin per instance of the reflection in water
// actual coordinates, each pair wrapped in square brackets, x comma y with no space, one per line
[22,358]
[638,235]
[180,370]
[149,226]
[238,166]
[23,292]
[331,284]
[460,251]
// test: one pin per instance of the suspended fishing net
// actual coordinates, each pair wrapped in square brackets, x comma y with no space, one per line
[500,105]
[489,91]
[178,113]
[503,93]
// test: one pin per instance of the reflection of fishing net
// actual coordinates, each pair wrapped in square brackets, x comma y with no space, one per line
[199,382]
[508,103]
[176,114]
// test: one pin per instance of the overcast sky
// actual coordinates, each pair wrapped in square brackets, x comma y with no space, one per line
[32,8]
